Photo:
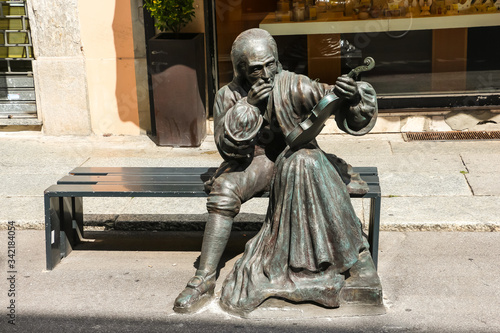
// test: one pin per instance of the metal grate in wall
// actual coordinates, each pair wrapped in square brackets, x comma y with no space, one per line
[17,89]
[451,136]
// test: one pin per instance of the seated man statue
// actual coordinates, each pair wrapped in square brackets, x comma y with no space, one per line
[253,115]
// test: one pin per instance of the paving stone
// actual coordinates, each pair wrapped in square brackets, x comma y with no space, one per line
[166,206]
[208,160]
[445,147]
[487,183]
[482,162]
[459,213]
[105,205]
[28,184]
[342,145]
[25,168]
[424,184]
[26,211]
[409,163]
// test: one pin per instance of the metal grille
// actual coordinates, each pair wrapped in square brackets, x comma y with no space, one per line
[16,48]
[451,136]
[17,89]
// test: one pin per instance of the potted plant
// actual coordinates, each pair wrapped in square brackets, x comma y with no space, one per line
[177,67]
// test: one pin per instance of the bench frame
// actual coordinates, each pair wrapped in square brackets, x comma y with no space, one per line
[64,201]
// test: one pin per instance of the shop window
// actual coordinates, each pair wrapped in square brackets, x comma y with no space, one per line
[423,49]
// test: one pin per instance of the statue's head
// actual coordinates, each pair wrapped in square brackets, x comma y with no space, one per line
[255,56]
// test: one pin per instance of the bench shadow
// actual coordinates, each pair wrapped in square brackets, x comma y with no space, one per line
[117,240]
[163,232]
[167,222]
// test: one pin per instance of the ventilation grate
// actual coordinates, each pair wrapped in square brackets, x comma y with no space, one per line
[451,136]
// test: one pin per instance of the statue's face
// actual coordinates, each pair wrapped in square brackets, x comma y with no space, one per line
[260,63]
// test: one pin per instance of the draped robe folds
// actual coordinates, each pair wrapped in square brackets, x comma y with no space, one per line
[311,234]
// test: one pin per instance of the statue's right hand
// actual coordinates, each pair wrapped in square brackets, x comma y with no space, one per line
[237,150]
[259,92]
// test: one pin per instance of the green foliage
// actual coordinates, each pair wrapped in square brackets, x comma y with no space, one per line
[170,15]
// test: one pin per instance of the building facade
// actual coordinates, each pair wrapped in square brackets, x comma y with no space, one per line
[437,66]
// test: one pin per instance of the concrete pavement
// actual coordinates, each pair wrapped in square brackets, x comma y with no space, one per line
[433,281]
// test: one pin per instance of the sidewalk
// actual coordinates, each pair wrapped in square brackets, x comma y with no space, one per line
[425,185]
[127,281]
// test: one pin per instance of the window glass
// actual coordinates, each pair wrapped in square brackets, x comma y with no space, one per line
[421,47]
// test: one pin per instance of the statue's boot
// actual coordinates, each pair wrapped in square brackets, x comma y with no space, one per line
[198,292]
[200,289]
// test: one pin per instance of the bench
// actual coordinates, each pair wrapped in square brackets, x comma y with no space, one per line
[64,201]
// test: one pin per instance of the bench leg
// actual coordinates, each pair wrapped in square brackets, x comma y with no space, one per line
[72,220]
[374,227]
[63,216]
[78,218]
[52,231]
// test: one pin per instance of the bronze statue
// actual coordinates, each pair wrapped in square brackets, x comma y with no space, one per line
[311,235]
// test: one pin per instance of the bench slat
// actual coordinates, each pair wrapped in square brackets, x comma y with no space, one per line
[88,171]
[143,190]
[129,190]
[151,179]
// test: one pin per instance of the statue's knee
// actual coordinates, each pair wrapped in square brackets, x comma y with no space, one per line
[223,199]
[223,205]
[306,157]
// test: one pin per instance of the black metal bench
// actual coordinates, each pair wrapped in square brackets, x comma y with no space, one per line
[64,201]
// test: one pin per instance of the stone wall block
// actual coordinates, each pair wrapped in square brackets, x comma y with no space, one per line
[61,90]
[55,27]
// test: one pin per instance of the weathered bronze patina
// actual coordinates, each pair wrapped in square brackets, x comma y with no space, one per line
[311,237]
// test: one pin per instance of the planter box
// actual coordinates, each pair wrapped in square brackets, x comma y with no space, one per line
[177,67]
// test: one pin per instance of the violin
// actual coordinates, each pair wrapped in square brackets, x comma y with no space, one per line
[309,128]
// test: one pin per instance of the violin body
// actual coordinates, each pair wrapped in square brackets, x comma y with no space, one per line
[308,129]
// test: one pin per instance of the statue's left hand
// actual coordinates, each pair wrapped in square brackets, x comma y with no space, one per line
[346,87]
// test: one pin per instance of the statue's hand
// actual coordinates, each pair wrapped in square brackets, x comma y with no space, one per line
[237,150]
[259,92]
[346,87]
[360,114]
[242,123]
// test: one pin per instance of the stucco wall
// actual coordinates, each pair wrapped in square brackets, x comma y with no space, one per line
[108,46]
[90,66]
[114,47]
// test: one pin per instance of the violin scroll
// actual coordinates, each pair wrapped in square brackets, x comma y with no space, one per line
[369,63]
